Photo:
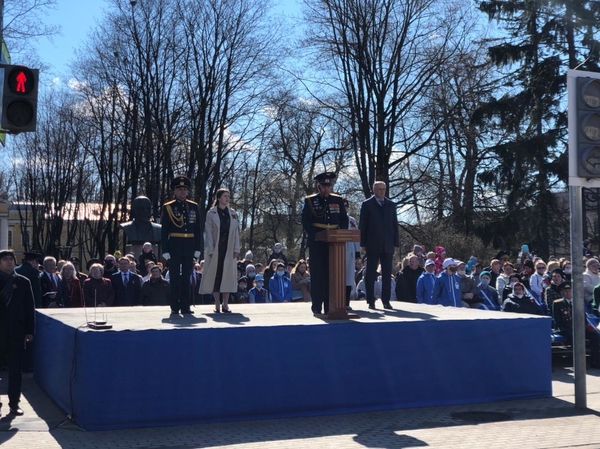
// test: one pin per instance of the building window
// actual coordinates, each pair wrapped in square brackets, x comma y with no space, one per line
[10,238]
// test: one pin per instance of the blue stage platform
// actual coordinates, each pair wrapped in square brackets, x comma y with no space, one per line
[276,360]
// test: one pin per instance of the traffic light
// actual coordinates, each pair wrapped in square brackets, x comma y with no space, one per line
[19,98]
[587,131]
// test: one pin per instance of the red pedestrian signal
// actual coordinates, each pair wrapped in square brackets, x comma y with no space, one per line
[19,98]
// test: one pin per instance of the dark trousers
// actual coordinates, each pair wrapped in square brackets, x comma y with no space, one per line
[594,338]
[373,260]
[319,276]
[14,361]
[180,269]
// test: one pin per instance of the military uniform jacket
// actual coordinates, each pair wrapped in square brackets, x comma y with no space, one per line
[181,233]
[320,213]
[562,312]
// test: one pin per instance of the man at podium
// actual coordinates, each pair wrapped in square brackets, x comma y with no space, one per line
[323,210]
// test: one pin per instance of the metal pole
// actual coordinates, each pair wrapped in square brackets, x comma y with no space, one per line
[575,200]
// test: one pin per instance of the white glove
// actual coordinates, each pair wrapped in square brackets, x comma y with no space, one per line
[197,254]
[166,256]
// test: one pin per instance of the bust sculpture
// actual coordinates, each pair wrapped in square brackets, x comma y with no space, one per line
[140,229]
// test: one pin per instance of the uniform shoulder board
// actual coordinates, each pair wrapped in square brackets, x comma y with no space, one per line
[335,195]
[312,196]
[169,202]
[193,202]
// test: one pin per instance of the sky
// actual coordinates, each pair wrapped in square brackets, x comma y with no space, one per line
[78,17]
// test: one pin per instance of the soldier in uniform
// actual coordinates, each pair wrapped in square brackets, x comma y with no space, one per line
[323,210]
[181,238]
[562,312]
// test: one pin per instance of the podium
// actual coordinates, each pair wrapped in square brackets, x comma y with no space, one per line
[337,238]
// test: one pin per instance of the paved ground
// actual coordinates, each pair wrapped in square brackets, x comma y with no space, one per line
[540,423]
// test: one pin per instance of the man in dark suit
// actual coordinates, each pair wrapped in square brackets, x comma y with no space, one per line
[50,284]
[324,210]
[127,285]
[181,239]
[17,324]
[379,238]
[30,268]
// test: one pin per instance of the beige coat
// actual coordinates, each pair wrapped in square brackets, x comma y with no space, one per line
[211,253]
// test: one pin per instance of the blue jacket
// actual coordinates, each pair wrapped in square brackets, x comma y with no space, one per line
[425,287]
[489,298]
[280,288]
[446,290]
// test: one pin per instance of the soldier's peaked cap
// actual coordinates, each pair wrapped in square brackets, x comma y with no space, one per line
[326,178]
[181,181]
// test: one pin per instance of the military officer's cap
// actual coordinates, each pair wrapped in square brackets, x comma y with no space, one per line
[32,255]
[181,181]
[91,262]
[564,286]
[326,178]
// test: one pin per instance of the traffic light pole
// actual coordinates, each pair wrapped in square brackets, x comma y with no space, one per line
[575,202]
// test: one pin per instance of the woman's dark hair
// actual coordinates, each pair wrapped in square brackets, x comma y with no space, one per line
[220,192]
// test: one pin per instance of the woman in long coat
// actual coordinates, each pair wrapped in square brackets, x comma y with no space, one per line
[221,249]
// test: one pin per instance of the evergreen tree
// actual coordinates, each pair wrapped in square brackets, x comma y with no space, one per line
[543,39]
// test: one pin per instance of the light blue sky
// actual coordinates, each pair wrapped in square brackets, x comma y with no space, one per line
[78,17]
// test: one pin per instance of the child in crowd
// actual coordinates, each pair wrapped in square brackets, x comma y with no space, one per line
[241,296]
[147,254]
[280,286]
[258,294]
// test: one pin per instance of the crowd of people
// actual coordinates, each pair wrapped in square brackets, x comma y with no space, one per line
[529,285]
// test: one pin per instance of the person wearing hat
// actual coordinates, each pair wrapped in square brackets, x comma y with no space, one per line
[323,210]
[30,268]
[258,294]
[508,288]
[426,282]
[519,301]
[277,253]
[486,294]
[17,324]
[446,290]
[562,312]
[77,264]
[468,287]
[181,240]
[552,292]
[147,255]
[379,238]
[221,248]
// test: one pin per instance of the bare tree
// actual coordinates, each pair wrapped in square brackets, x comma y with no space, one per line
[229,56]
[24,22]
[384,55]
